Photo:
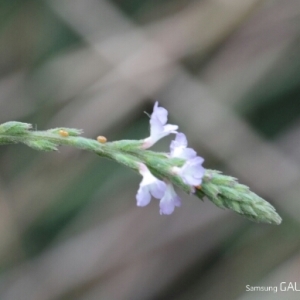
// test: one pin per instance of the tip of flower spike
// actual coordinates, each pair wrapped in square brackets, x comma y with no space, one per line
[225,192]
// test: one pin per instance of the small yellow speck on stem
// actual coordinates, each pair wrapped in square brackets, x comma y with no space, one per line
[63,133]
[101,139]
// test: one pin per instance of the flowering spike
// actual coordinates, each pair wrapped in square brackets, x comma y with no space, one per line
[181,167]
[225,192]
[158,126]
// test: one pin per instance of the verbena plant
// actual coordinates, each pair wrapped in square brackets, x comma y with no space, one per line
[161,172]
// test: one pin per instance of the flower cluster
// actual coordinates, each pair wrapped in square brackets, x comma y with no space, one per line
[191,172]
[181,166]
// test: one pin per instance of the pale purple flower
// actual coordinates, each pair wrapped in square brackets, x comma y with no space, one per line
[179,148]
[158,126]
[169,201]
[192,171]
[149,185]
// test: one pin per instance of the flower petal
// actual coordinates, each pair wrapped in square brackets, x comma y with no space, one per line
[158,126]
[157,189]
[149,185]
[181,139]
[178,148]
[192,171]
[169,201]
[169,128]
[143,196]
[160,113]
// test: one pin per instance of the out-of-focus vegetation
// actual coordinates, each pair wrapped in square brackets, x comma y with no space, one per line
[227,71]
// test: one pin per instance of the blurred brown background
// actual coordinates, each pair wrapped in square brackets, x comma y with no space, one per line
[228,73]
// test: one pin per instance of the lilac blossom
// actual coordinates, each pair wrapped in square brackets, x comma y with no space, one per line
[192,171]
[158,126]
[179,148]
[149,185]
[169,200]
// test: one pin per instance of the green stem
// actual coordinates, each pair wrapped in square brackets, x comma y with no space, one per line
[49,140]
[74,141]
